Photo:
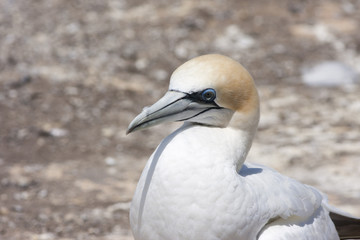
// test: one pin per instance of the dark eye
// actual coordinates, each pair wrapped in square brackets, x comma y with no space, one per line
[208,95]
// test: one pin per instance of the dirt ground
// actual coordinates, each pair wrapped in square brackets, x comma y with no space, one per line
[73,74]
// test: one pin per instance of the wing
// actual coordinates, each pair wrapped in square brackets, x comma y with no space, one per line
[294,210]
[283,196]
[318,226]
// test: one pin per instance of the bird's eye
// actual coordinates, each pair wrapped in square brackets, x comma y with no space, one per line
[208,95]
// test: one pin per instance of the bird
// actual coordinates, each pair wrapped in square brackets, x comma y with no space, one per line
[197,185]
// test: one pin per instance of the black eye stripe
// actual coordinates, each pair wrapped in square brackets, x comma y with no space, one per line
[206,96]
[198,96]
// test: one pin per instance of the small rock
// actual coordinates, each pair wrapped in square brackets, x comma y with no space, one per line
[42,194]
[72,28]
[17,208]
[22,133]
[72,91]
[70,217]
[4,211]
[11,224]
[96,214]
[186,49]
[46,236]
[278,49]
[141,64]
[181,51]
[159,75]
[268,120]
[13,94]
[108,132]
[93,230]
[329,74]
[53,132]
[23,181]
[53,172]
[348,7]
[234,39]
[58,132]
[110,161]
[43,217]
[21,196]
[33,168]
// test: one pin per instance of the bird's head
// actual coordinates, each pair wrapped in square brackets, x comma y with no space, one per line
[212,90]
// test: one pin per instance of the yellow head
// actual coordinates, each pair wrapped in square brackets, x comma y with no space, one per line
[211,90]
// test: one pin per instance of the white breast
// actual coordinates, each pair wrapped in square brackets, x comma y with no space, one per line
[190,189]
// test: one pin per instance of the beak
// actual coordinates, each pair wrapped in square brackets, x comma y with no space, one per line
[173,106]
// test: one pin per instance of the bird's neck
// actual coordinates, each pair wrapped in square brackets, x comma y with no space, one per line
[225,146]
[244,127]
[243,140]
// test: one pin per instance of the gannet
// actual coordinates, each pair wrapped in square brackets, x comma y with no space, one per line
[196,185]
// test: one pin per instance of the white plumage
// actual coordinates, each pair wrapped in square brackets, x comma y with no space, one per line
[196,185]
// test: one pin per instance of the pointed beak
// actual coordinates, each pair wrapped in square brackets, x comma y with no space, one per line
[173,106]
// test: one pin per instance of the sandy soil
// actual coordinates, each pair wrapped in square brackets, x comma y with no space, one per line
[73,74]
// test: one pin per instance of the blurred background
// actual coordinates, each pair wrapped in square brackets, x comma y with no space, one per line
[74,73]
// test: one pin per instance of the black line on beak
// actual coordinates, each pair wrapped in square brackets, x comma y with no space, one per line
[208,109]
